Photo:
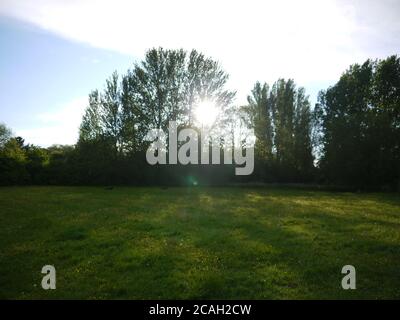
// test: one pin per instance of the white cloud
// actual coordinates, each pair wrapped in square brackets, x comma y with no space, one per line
[310,40]
[58,127]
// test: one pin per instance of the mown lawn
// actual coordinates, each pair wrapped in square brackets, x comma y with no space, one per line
[233,243]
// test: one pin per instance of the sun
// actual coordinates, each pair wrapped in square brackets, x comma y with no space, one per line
[206,113]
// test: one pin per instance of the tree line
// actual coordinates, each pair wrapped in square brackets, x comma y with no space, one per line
[350,138]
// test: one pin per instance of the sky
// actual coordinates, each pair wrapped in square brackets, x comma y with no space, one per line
[53,52]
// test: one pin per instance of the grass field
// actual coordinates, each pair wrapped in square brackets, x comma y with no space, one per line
[233,243]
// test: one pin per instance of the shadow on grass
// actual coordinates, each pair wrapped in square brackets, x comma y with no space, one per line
[230,243]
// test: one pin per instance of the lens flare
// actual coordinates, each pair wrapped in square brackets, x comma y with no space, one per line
[206,113]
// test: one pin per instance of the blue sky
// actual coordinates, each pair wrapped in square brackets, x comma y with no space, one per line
[42,75]
[53,53]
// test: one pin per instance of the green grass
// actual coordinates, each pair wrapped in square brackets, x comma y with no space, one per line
[233,243]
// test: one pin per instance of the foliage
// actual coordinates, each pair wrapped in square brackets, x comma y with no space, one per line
[12,163]
[166,86]
[281,119]
[351,138]
[5,134]
[359,123]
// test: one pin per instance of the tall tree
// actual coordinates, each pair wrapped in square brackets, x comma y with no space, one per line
[303,157]
[111,111]
[5,134]
[359,122]
[282,101]
[91,125]
[259,112]
[282,123]
[12,163]
[167,85]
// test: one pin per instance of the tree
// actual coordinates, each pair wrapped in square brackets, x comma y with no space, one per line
[282,101]
[386,121]
[5,134]
[37,160]
[91,126]
[12,163]
[292,122]
[282,123]
[166,86]
[303,157]
[259,112]
[111,112]
[359,122]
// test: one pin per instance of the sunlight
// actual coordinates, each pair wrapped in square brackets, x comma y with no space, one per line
[206,113]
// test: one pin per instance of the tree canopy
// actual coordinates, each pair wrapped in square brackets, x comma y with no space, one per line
[359,125]
[351,138]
